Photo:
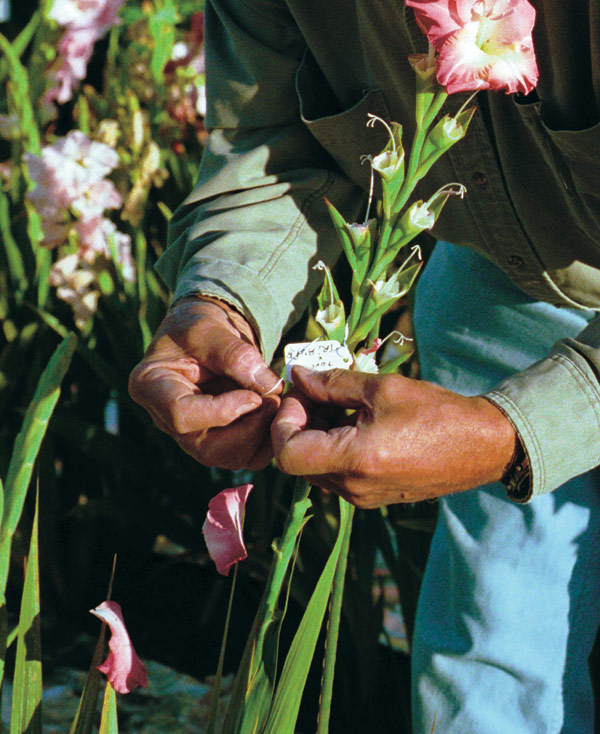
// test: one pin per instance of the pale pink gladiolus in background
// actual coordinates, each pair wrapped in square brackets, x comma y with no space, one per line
[72,193]
[482,44]
[85,22]
[123,668]
[223,527]
[75,283]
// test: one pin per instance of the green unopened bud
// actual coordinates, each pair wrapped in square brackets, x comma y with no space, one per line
[390,162]
[331,313]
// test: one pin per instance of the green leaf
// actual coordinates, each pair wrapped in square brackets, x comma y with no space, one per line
[85,718]
[286,703]
[27,446]
[108,720]
[3,639]
[14,258]
[333,627]
[19,81]
[86,711]
[255,679]
[162,27]
[341,227]
[26,709]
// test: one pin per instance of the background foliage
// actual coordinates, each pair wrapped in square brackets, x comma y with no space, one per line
[109,481]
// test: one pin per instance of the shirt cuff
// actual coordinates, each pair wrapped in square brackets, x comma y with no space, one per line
[554,406]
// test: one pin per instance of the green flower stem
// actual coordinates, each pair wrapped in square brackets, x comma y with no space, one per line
[333,627]
[284,552]
[214,694]
[356,311]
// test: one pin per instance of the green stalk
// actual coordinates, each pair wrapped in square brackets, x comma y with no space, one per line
[214,694]
[333,628]
[284,551]
[254,682]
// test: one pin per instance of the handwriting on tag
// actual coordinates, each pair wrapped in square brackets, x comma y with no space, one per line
[321,355]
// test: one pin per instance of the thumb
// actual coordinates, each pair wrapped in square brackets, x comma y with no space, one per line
[342,388]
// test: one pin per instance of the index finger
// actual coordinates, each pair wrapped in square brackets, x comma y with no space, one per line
[183,408]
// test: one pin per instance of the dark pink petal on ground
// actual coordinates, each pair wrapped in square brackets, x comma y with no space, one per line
[223,527]
[123,668]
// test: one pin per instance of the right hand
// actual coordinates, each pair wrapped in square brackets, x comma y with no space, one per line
[203,381]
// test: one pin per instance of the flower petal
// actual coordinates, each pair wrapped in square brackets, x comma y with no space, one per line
[482,44]
[123,668]
[223,527]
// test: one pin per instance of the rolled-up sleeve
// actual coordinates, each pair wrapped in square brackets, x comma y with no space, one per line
[555,407]
[256,223]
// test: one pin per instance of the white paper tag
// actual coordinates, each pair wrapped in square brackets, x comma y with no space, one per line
[321,355]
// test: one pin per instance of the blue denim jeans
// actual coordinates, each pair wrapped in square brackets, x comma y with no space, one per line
[510,602]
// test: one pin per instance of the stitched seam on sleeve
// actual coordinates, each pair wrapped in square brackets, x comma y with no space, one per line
[296,227]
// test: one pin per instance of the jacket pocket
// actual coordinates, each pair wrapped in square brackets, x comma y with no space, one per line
[341,132]
[580,151]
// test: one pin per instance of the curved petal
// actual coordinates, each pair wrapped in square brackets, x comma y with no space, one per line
[222,528]
[123,668]
[436,19]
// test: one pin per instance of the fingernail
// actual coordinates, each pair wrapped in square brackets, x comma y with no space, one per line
[264,379]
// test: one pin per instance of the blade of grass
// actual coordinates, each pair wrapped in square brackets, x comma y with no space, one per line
[27,445]
[286,703]
[86,712]
[108,720]
[14,258]
[333,628]
[255,679]
[216,689]
[26,709]
[20,81]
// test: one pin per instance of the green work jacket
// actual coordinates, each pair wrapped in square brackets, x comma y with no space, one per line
[289,87]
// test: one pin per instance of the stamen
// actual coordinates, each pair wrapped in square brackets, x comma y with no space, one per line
[446,190]
[371,123]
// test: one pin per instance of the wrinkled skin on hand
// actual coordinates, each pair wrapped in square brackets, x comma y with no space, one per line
[406,440]
[203,381]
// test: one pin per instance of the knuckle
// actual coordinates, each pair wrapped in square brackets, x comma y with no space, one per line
[238,354]
[385,388]
[135,382]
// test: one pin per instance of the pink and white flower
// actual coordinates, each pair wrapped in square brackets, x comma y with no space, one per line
[123,668]
[85,22]
[223,527]
[482,44]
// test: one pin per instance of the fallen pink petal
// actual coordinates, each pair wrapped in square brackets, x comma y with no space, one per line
[123,668]
[223,527]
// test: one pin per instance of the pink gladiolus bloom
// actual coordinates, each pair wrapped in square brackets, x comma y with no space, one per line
[85,22]
[123,668]
[97,14]
[223,527]
[482,44]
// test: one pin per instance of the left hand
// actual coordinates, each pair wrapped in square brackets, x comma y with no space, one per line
[407,440]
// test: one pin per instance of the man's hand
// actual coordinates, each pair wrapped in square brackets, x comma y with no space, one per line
[406,441]
[203,381]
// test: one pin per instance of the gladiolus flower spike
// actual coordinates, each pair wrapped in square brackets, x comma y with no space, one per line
[222,528]
[123,668]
